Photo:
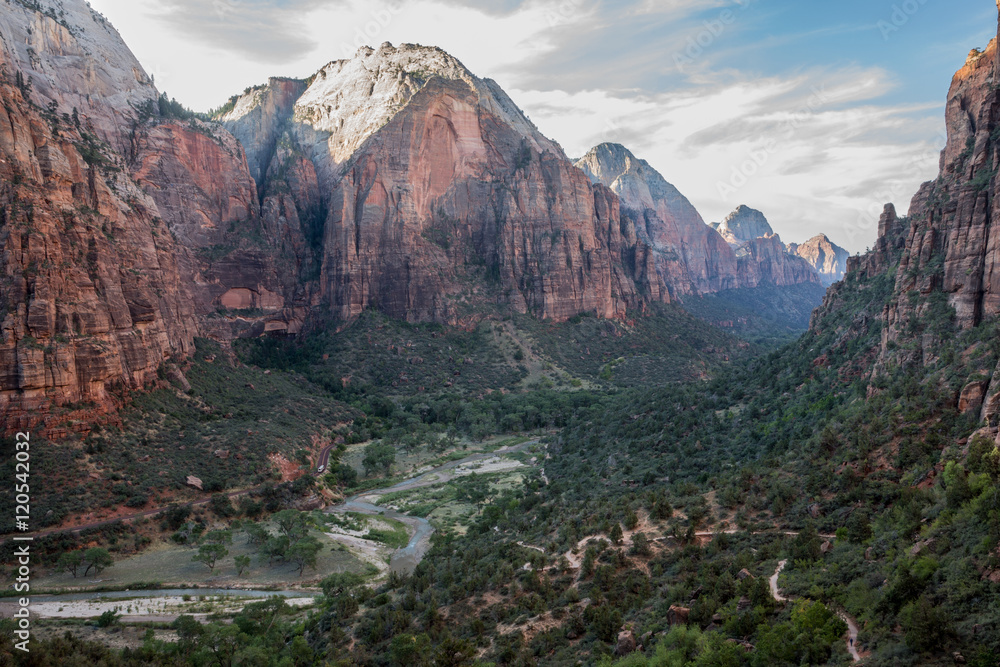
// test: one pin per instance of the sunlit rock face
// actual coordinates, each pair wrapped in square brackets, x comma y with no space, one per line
[690,257]
[829,259]
[428,192]
[742,225]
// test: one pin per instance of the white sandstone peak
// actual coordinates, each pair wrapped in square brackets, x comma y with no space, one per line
[74,57]
[349,100]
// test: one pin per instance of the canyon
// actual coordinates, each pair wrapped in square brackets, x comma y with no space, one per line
[396,180]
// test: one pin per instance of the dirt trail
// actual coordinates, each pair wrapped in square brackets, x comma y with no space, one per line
[852,627]
[852,635]
[774,582]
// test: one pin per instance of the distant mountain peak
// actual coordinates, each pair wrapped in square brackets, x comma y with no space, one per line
[828,258]
[744,224]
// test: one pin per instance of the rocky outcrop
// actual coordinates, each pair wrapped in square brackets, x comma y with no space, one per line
[123,234]
[395,180]
[349,101]
[827,258]
[197,175]
[690,258]
[91,295]
[742,225]
[764,261]
[258,119]
[947,250]
[446,191]
[75,58]
[951,245]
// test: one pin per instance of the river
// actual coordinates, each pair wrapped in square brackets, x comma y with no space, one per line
[405,559]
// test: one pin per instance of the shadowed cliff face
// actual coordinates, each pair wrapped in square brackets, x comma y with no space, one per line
[423,191]
[690,257]
[123,234]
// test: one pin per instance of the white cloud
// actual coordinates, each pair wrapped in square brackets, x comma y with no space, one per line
[807,151]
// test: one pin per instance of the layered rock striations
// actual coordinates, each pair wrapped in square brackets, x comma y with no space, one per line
[764,261]
[947,251]
[123,233]
[91,290]
[395,180]
[426,191]
[951,244]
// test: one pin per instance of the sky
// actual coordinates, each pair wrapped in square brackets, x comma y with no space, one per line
[816,113]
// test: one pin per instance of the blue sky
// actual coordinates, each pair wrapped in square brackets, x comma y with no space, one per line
[815,112]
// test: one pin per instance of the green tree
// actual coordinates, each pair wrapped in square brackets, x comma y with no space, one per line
[242,563]
[340,583]
[924,625]
[379,456]
[454,652]
[616,534]
[406,650]
[97,558]
[70,561]
[304,552]
[859,527]
[218,537]
[222,642]
[108,618]
[209,554]
[274,549]
[256,533]
[640,545]
[293,523]
[475,489]
[222,505]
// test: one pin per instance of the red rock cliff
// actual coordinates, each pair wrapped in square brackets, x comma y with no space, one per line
[91,294]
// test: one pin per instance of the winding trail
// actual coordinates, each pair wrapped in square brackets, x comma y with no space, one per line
[775,593]
[852,626]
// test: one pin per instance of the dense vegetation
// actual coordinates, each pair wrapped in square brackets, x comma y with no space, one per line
[663,508]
